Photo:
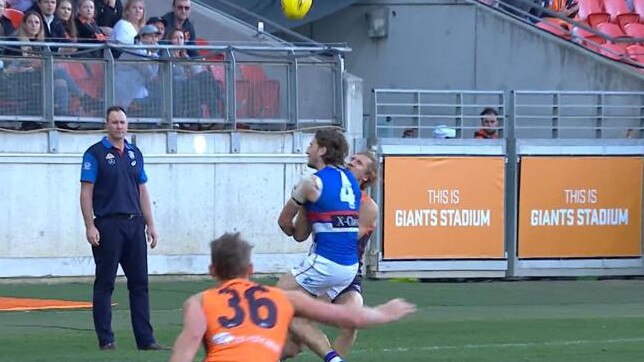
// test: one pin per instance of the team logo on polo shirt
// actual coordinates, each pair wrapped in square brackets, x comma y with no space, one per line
[111,160]
[87,166]
[131,154]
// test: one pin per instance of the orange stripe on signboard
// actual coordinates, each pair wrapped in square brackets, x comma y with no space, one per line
[443,207]
[23,304]
[580,207]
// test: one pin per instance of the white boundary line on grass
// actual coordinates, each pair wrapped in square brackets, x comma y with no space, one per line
[501,345]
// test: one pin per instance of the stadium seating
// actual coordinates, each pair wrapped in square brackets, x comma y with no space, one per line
[636,30]
[636,53]
[592,11]
[619,12]
[611,30]
[15,16]
[614,51]
[611,19]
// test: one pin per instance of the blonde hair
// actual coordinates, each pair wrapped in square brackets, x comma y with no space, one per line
[126,11]
[372,169]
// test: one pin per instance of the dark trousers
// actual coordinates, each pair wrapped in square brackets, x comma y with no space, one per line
[122,241]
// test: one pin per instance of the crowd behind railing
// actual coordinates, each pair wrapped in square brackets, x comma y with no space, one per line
[64,60]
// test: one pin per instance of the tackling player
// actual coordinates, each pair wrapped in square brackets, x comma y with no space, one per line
[243,321]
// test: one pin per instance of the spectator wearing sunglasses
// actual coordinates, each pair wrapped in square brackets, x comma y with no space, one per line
[179,18]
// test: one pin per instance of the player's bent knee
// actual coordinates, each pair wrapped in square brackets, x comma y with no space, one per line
[352,298]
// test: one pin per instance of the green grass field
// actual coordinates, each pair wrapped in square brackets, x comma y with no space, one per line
[581,320]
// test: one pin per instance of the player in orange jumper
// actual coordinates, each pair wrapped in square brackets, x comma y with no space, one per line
[243,321]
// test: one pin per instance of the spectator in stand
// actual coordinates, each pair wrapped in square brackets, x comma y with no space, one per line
[53,27]
[6,28]
[128,27]
[25,74]
[489,123]
[108,13]
[66,14]
[88,30]
[409,133]
[161,24]
[179,18]
[194,88]
[131,77]
[180,74]
[22,5]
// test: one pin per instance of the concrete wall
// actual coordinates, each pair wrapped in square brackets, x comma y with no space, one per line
[463,45]
[209,184]
[195,197]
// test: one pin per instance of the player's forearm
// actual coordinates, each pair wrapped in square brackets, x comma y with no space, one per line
[368,317]
[185,349]
[287,227]
[285,220]
[301,227]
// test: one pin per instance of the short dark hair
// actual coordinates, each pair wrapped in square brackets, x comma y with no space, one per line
[114,109]
[156,19]
[230,256]
[488,111]
[335,143]
[372,169]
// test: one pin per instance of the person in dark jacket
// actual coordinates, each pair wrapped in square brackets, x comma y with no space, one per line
[108,12]
[6,28]
[179,18]
[53,26]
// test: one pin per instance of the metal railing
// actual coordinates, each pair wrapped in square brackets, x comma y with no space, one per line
[562,114]
[416,113]
[529,114]
[265,87]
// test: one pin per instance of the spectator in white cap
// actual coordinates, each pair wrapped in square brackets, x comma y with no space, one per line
[444,132]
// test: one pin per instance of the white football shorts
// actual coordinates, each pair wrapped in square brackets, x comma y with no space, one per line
[319,275]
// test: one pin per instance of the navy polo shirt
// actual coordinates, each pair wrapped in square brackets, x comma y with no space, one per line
[116,177]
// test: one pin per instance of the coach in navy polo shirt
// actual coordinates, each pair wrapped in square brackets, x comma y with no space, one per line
[118,215]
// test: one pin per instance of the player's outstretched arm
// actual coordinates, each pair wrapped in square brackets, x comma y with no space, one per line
[348,316]
[194,328]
